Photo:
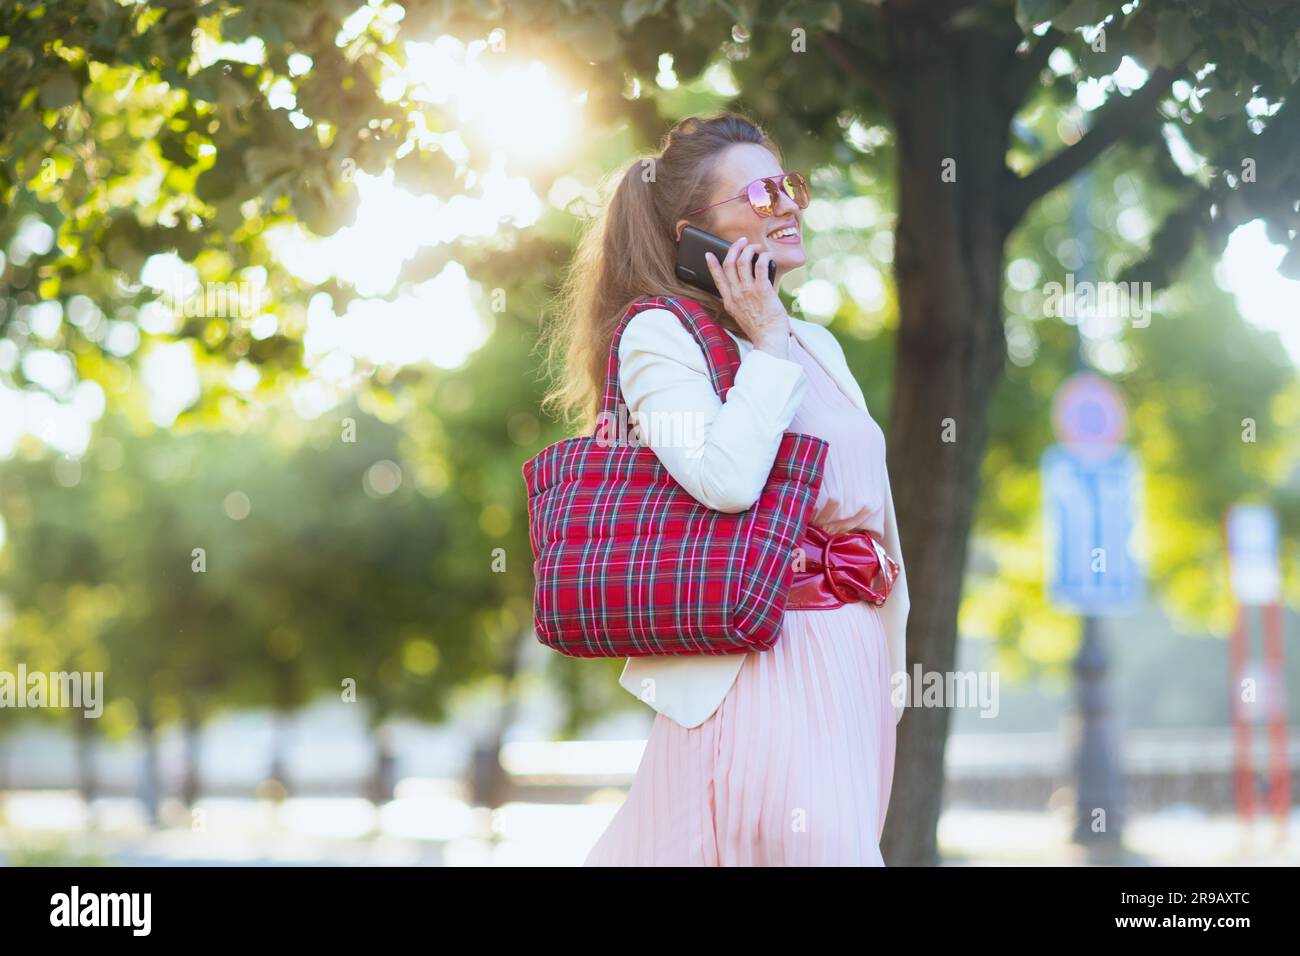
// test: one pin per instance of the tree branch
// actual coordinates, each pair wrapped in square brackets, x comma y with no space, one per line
[1118,120]
[1024,70]
[1276,152]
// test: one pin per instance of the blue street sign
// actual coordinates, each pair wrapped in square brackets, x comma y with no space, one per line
[1089,509]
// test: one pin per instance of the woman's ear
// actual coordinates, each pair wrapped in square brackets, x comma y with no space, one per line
[681,224]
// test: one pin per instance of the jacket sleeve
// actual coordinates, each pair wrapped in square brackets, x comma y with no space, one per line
[720,452]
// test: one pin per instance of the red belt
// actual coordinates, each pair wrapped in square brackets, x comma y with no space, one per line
[832,570]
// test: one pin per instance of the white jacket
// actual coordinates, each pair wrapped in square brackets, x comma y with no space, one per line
[662,369]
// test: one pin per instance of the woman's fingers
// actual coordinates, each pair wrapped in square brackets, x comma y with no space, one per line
[715,270]
[747,296]
[743,271]
[724,279]
[729,263]
[745,266]
[726,288]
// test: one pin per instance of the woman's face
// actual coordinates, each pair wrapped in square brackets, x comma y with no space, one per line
[737,167]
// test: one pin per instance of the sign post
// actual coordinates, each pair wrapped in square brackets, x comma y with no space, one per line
[1255,576]
[1090,490]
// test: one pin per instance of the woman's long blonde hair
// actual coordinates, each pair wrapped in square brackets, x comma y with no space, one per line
[630,251]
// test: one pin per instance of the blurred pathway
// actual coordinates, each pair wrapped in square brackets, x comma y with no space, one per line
[434,829]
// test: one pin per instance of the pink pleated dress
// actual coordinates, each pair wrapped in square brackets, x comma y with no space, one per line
[795,766]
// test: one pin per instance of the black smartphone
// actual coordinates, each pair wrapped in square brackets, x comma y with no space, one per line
[691,267]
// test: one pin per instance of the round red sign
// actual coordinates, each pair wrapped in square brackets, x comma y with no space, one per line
[1088,411]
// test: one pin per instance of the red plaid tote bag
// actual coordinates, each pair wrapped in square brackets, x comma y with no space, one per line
[628,564]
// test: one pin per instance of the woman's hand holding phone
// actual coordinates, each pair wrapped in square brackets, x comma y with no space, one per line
[751,301]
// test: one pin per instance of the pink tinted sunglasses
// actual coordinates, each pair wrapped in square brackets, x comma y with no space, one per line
[763,194]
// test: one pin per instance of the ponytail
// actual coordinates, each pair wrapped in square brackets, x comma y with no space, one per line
[630,252]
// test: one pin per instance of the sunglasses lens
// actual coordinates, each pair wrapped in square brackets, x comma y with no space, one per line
[762,196]
[796,187]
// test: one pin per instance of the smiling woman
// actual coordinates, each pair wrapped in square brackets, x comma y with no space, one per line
[781,756]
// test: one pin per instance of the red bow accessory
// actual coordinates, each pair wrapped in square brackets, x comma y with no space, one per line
[839,569]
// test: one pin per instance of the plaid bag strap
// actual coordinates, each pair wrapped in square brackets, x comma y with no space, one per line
[720,352]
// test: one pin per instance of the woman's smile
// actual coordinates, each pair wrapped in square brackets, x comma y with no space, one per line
[787,233]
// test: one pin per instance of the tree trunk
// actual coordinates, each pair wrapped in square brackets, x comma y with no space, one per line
[191,785]
[489,784]
[277,773]
[383,780]
[382,785]
[949,113]
[150,778]
[287,698]
[87,780]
